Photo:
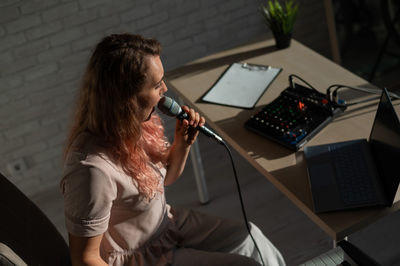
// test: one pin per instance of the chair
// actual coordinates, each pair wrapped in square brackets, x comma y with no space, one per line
[26,233]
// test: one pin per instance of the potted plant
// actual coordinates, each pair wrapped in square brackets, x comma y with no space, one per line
[280,19]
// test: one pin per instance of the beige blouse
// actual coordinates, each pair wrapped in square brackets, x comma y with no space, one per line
[100,198]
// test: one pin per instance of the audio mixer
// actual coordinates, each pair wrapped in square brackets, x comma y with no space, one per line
[294,117]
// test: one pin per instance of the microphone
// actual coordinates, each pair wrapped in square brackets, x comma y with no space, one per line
[171,108]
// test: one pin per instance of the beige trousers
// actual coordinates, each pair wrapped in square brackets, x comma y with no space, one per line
[210,240]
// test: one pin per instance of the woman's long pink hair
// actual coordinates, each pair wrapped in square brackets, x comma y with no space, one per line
[108,109]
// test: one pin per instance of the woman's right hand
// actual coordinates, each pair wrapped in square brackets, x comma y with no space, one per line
[186,133]
[186,130]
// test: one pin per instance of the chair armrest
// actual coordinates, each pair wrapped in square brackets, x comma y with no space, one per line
[9,258]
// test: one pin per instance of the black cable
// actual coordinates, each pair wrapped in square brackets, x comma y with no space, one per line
[328,91]
[339,86]
[291,83]
[336,87]
[363,101]
[373,91]
[241,201]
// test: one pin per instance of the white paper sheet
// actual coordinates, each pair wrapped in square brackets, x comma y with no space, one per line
[241,85]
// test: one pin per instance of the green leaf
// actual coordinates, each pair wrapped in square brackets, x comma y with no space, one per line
[278,18]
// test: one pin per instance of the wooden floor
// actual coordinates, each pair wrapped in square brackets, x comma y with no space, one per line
[296,236]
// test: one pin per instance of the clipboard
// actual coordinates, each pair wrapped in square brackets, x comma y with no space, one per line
[241,85]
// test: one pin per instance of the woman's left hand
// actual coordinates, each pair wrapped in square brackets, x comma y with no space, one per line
[186,130]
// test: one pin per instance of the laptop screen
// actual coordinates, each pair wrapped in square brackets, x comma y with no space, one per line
[385,143]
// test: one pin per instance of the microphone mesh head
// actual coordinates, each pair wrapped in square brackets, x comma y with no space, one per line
[169,107]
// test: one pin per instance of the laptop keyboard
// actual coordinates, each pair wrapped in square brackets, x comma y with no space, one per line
[355,184]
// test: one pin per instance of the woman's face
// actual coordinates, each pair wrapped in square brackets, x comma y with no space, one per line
[154,87]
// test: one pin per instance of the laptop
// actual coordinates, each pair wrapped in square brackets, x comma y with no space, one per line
[358,173]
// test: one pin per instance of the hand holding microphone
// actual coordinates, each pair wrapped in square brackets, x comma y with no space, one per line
[171,108]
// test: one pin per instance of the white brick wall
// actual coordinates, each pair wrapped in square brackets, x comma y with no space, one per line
[45,44]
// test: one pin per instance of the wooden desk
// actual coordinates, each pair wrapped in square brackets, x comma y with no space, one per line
[283,168]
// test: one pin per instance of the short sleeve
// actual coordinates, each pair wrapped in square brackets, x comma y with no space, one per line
[88,196]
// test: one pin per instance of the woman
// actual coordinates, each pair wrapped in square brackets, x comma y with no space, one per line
[117,161]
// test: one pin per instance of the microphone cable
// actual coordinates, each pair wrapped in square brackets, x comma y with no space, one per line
[169,107]
[241,199]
